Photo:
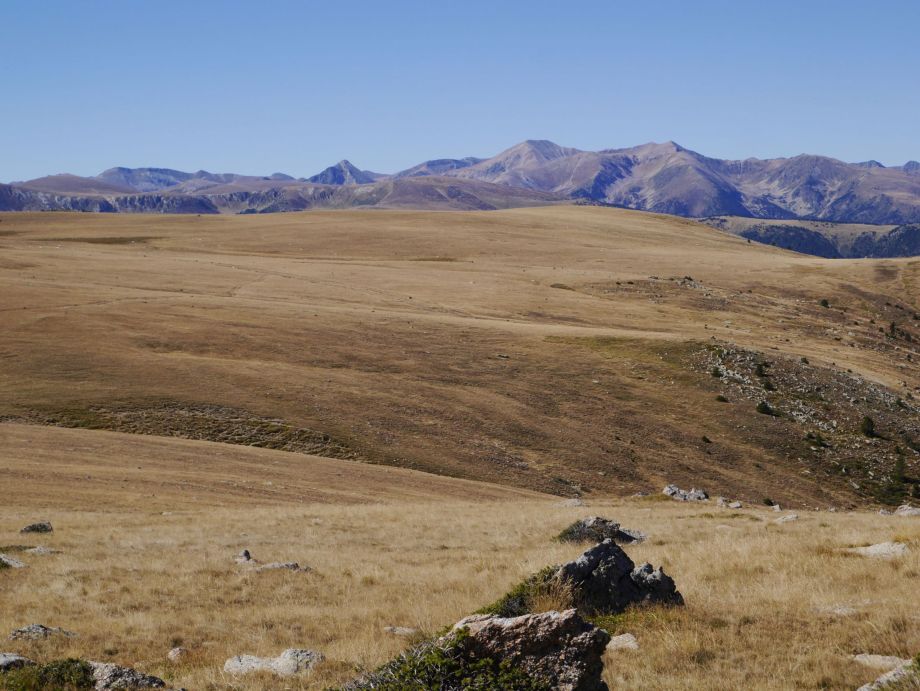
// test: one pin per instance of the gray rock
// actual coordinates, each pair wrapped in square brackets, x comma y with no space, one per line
[788,518]
[559,649]
[290,662]
[37,632]
[625,641]
[735,505]
[777,508]
[897,678]
[573,502]
[596,529]
[11,562]
[679,494]
[604,580]
[243,557]
[884,512]
[404,631]
[907,510]
[41,550]
[885,663]
[40,527]
[9,661]
[111,676]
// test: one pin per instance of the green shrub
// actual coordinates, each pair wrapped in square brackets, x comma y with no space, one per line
[765,408]
[825,303]
[59,675]
[445,666]
[517,601]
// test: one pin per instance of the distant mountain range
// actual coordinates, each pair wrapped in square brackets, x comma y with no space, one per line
[665,178]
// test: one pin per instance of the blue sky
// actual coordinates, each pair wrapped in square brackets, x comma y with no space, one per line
[259,87]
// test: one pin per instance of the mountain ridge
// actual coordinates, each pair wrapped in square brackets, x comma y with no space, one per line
[663,177]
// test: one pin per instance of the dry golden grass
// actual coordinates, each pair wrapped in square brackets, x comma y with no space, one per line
[354,324]
[134,582]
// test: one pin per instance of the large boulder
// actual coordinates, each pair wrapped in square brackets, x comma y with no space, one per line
[559,649]
[604,580]
[906,510]
[112,676]
[290,662]
[596,529]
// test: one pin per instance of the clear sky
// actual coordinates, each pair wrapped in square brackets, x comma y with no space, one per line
[259,87]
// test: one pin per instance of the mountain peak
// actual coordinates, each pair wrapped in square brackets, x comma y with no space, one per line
[343,173]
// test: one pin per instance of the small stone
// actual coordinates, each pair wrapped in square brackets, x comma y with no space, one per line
[40,527]
[883,550]
[788,518]
[41,551]
[574,502]
[290,662]
[37,632]
[176,655]
[243,557]
[9,661]
[625,641]
[679,494]
[735,505]
[884,512]
[404,631]
[776,508]
[11,562]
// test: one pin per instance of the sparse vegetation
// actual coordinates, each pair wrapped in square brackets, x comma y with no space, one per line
[60,675]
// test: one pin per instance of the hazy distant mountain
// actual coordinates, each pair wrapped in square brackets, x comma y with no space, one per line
[665,178]
[344,173]
[438,166]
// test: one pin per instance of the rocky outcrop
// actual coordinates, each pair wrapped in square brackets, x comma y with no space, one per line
[679,494]
[290,662]
[604,580]
[883,550]
[597,529]
[559,649]
[907,511]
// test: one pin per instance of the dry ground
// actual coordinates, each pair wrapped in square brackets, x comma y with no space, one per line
[395,547]
[550,349]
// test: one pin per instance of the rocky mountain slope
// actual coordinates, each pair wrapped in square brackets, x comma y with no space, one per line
[824,239]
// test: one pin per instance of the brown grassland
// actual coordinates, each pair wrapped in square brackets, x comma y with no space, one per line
[428,386]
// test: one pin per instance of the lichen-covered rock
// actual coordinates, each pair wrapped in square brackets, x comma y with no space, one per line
[290,662]
[40,527]
[112,676]
[604,580]
[596,529]
[559,649]
[37,632]
[10,661]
